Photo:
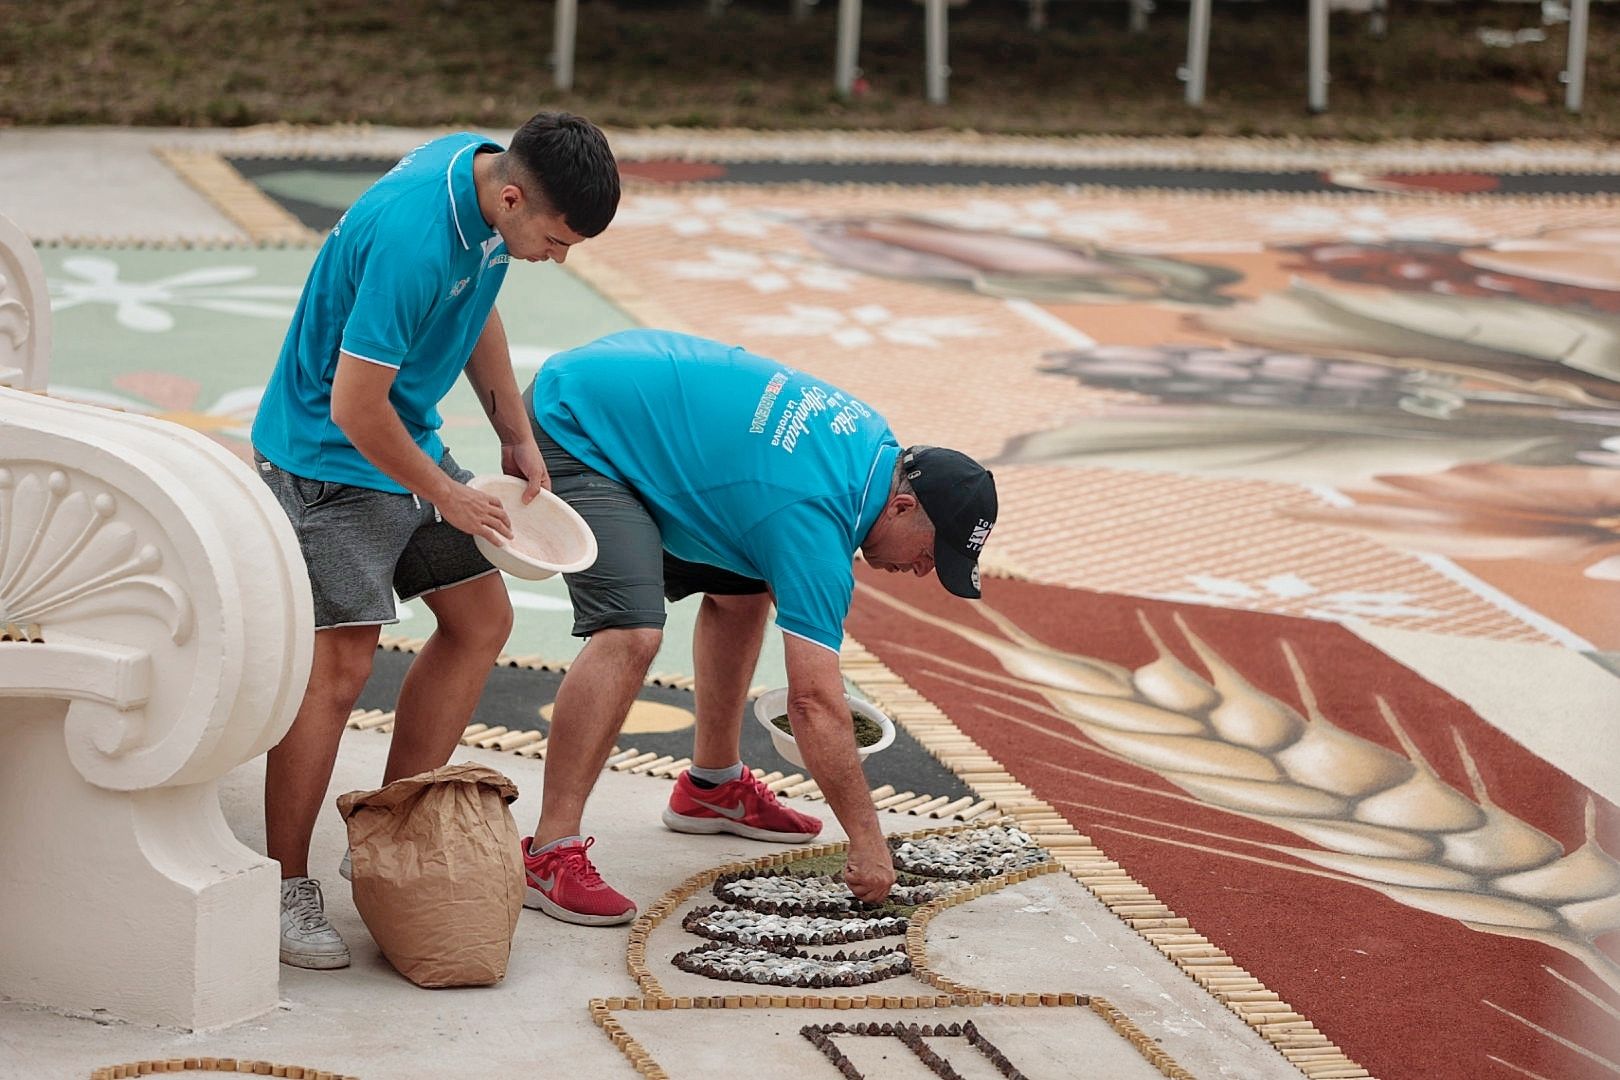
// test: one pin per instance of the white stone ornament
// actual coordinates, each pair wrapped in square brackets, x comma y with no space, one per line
[156,631]
[25,312]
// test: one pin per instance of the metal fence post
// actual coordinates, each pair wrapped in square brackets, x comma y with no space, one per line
[937,42]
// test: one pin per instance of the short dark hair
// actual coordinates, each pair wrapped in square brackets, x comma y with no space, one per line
[569,157]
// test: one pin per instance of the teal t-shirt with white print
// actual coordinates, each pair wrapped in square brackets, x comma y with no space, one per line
[406,279]
[745,463]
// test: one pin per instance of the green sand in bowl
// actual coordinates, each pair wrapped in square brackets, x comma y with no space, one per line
[867,730]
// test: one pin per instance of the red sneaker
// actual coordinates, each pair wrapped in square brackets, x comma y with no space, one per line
[742,807]
[563,884]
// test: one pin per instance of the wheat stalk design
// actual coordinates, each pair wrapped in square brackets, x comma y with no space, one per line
[1382,819]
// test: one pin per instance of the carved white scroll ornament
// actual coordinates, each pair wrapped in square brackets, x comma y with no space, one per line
[25,312]
[155,632]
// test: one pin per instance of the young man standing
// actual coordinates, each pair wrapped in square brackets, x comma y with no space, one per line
[400,302]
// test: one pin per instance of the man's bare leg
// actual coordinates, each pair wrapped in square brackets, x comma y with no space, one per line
[444,682]
[725,651]
[299,768]
[592,702]
[717,794]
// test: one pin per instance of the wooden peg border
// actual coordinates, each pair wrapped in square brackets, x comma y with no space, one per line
[603,1012]
[213,1064]
[263,219]
[531,743]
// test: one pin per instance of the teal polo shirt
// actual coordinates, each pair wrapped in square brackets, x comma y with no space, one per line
[745,463]
[406,280]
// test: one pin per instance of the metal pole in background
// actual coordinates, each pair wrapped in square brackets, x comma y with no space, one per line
[936,49]
[1197,51]
[562,57]
[1575,68]
[1139,15]
[1318,50]
[849,44]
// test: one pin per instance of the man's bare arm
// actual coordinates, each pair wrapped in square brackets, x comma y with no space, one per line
[360,407]
[489,370]
[821,727]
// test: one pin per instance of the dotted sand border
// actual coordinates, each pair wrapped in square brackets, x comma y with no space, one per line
[241,200]
[213,1064]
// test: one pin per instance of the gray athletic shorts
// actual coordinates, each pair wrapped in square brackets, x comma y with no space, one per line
[633,575]
[362,546]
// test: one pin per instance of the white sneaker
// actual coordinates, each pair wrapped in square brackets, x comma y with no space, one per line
[307,937]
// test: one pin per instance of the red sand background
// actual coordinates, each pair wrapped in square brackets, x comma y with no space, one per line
[1401,991]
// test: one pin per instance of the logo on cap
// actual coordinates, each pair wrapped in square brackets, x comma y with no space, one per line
[980,533]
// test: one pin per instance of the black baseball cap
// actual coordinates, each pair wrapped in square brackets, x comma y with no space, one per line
[959,497]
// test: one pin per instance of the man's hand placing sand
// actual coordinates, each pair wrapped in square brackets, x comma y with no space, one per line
[869,873]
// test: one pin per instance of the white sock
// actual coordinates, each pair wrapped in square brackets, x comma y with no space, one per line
[575,839]
[717,777]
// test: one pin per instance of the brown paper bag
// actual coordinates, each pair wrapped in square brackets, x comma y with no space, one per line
[438,877]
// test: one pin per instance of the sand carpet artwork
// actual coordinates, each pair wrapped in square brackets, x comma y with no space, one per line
[1240,418]
[1377,396]
[1442,902]
[1344,407]
[770,940]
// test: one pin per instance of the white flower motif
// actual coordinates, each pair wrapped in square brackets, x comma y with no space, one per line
[139,305]
[1046,217]
[696,216]
[1368,224]
[767,274]
[1291,589]
[863,326]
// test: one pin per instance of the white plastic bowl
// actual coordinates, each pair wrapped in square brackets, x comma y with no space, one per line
[773,703]
[548,536]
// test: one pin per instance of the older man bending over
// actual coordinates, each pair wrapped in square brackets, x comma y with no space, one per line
[703,468]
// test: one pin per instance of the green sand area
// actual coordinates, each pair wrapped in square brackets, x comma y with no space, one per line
[867,730]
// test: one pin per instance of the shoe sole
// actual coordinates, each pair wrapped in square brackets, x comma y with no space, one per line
[535,900]
[315,961]
[707,826]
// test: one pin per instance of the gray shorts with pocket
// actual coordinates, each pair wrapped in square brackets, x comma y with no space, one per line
[362,546]
[633,575]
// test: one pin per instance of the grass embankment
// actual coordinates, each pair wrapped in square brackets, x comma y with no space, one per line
[645,63]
